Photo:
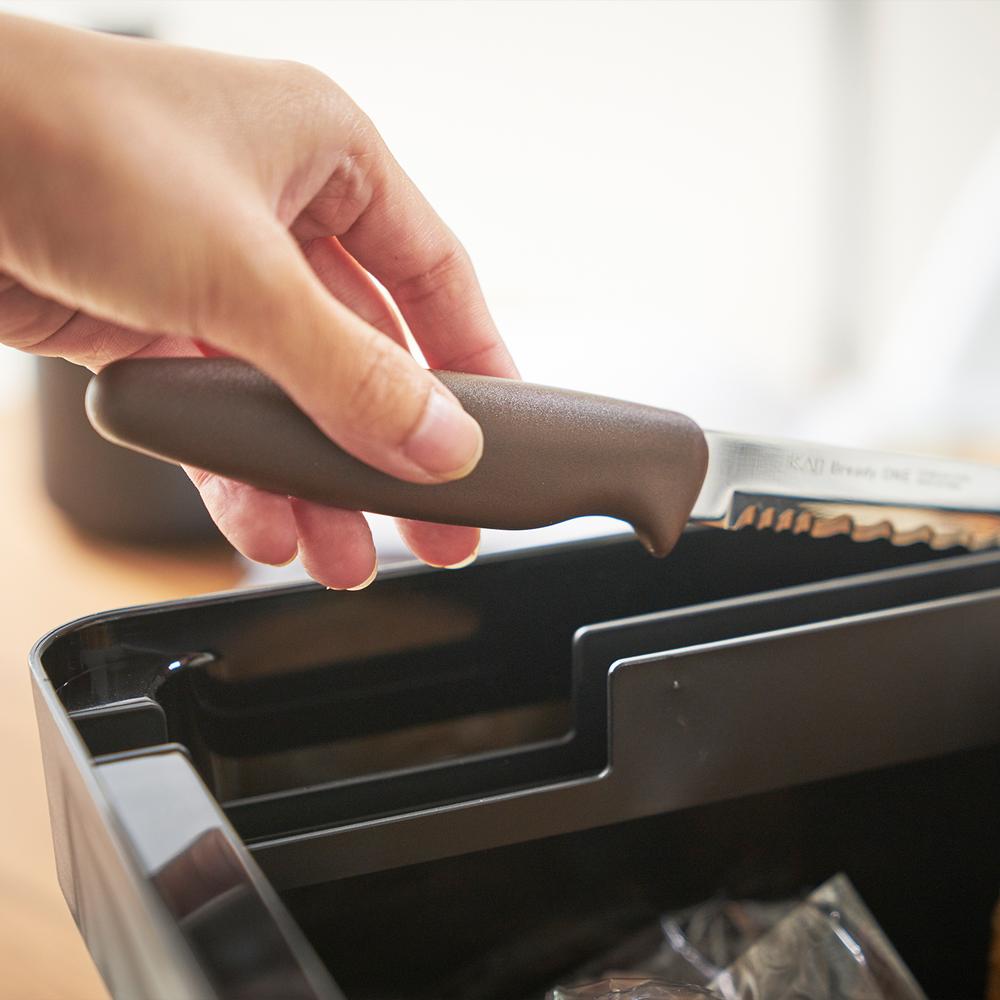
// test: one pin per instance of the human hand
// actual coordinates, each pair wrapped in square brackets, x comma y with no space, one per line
[156,200]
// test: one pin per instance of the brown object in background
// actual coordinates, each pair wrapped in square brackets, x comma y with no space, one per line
[993,968]
[105,490]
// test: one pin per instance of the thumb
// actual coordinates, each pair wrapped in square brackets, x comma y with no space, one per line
[359,386]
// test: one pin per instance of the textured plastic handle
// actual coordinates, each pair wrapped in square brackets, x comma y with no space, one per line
[549,454]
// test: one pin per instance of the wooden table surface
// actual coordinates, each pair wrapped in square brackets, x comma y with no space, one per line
[52,574]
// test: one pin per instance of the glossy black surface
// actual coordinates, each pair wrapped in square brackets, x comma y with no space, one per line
[918,842]
[461,783]
[305,707]
[226,912]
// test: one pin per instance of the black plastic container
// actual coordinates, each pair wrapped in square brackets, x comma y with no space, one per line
[459,785]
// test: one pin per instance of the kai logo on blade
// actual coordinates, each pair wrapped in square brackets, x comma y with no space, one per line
[811,464]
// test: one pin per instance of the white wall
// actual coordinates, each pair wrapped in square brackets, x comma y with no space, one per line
[640,185]
[711,206]
[935,111]
[925,256]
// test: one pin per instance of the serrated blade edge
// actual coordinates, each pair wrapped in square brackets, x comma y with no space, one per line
[940,529]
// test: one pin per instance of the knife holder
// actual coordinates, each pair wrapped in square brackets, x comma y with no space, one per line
[461,784]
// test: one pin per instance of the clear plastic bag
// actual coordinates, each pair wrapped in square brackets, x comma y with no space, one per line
[827,947]
[630,989]
[693,945]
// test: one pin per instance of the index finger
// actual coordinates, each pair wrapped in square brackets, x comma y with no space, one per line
[401,240]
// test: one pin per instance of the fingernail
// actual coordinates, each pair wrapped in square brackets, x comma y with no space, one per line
[287,562]
[461,564]
[447,443]
[361,586]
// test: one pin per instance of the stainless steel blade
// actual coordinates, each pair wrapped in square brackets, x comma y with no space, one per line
[825,490]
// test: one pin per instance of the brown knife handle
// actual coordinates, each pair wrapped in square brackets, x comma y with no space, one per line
[549,454]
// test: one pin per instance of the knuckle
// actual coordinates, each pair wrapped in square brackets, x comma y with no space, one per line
[348,189]
[298,93]
[364,136]
[310,89]
[301,76]
[444,277]
[27,320]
